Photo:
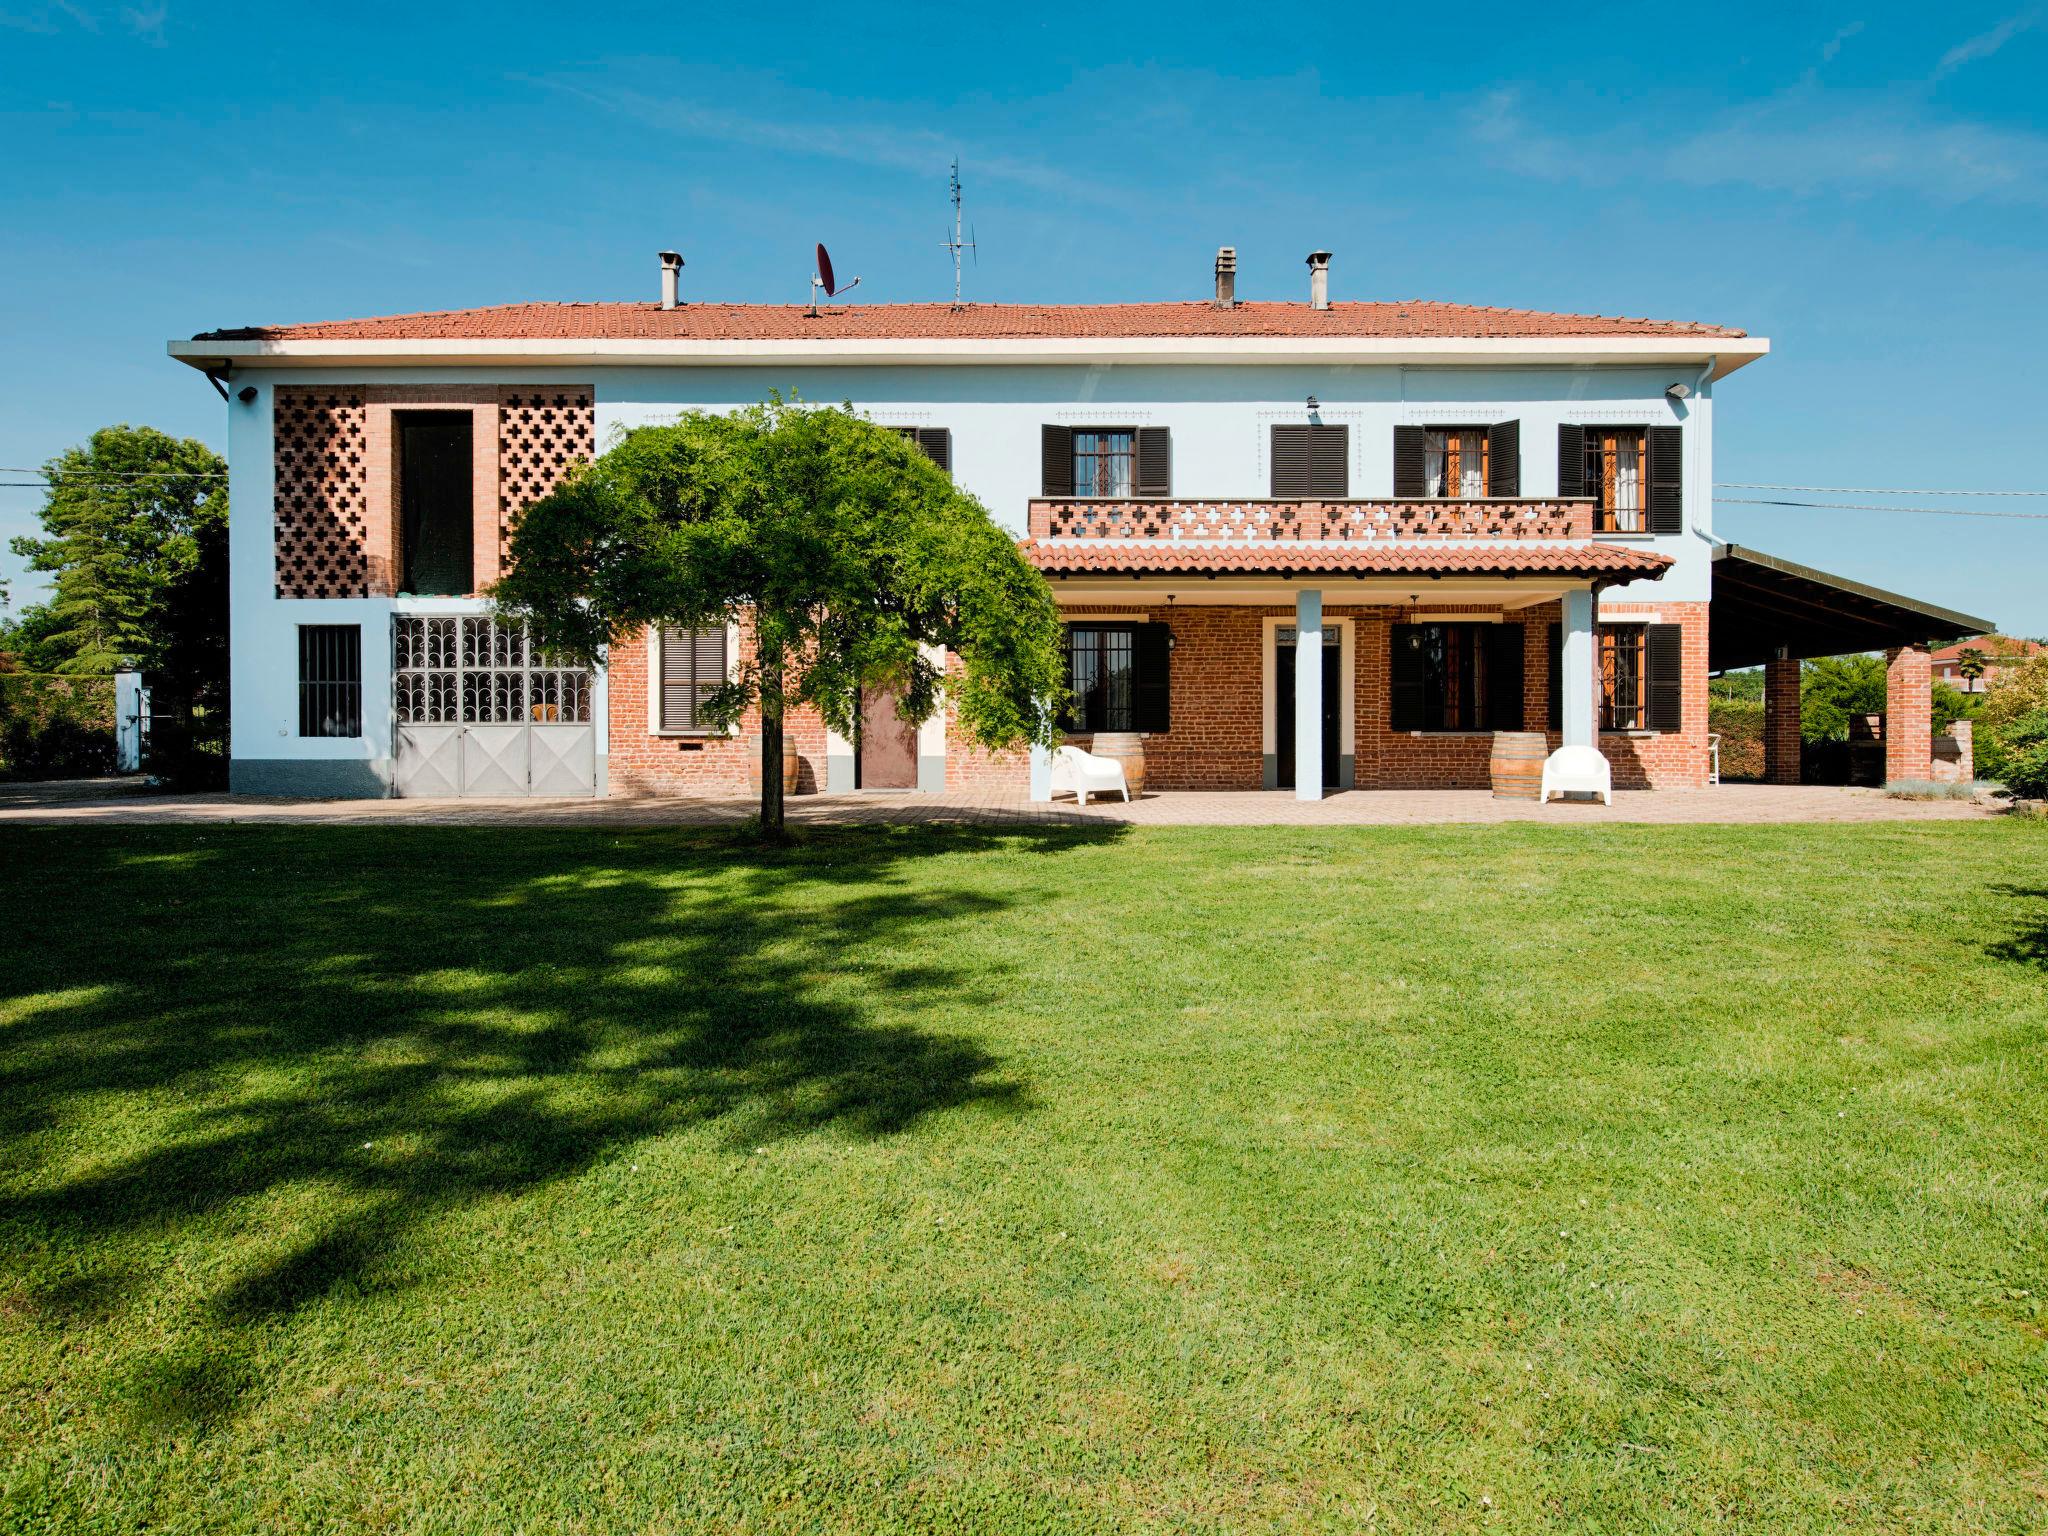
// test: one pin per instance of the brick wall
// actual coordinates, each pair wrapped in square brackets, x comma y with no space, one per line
[643,763]
[1668,759]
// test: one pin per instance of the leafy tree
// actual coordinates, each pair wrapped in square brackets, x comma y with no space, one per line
[1970,662]
[847,549]
[121,521]
[2018,691]
[1742,687]
[1833,688]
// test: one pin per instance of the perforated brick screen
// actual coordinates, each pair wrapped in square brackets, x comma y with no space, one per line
[319,501]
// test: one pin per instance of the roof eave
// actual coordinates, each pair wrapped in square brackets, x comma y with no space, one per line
[1724,354]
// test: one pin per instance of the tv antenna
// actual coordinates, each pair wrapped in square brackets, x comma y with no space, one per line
[822,278]
[956,245]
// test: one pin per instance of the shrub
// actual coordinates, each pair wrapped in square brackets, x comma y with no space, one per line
[2017,692]
[2023,750]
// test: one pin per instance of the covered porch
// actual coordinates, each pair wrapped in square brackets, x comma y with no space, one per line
[1773,613]
[1309,667]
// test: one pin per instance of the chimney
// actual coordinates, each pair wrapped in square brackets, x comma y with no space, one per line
[671,276]
[1318,279]
[1226,277]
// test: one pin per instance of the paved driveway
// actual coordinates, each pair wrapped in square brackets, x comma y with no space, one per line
[125,802]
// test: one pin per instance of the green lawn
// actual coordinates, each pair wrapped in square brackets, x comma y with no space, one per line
[1524,1179]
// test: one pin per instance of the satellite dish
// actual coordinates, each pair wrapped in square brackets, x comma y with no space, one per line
[823,278]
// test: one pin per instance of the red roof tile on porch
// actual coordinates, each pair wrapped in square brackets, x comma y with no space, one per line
[1159,557]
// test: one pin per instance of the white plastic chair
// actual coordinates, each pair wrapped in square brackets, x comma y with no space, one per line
[1084,773]
[1571,769]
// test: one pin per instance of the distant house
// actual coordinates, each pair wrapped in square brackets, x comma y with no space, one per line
[1998,652]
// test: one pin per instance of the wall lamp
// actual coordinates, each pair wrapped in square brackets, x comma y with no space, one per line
[246,394]
[1314,404]
[1679,391]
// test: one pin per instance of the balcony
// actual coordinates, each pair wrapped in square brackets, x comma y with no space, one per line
[1361,521]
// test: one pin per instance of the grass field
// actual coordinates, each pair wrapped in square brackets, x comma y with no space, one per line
[1520,1179]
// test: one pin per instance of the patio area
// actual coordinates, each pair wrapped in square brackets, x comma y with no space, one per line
[128,802]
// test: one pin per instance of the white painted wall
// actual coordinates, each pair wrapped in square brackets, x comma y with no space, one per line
[1219,416]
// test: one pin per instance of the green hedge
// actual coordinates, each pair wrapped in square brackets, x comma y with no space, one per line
[1740,723]
[55,727]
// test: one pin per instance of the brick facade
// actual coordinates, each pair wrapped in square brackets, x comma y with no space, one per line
[336,503]
[644,763]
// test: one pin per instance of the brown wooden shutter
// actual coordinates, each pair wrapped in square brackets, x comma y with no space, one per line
[1504,460]
[1152,654]
[1329,475]
[1571,461]
[1504,674]
[937,443]
[1404,674]
[1056,460]
[693,662]
[1667,479]
[1664,652]
[1291,461]
[1410,474]
[1556,676]
[1155,462]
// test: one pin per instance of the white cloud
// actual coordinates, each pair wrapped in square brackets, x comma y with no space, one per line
[1833,45]
[1985,44]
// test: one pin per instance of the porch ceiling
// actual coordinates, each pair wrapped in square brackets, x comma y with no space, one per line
[1762,604]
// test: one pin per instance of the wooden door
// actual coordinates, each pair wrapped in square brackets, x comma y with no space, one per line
[888,743]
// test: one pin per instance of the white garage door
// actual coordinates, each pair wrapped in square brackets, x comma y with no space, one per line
[481,714]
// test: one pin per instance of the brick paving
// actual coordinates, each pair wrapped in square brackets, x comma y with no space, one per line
[124,803]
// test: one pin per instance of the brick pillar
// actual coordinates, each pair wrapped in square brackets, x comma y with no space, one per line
[1781,720]
[1908,714]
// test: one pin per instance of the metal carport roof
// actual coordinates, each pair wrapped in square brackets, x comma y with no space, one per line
[1762,604]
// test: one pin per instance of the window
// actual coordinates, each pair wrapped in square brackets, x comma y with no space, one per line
[693,664]
[436,510]
[1616,477]
[1311,459]
[1118,675]
[1456,677]
[935,443]
[1105,462]
[1624,698]
[330,680]
[1454,462]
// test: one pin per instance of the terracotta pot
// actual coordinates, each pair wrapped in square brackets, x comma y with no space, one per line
[1518,764]
[1128,748]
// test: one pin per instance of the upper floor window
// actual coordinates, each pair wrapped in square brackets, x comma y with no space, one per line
[1105,462]
[935,443]
[1109,463]
[1454,462]
[1634,476]
[1311,459]
[1617,461]
[436,508]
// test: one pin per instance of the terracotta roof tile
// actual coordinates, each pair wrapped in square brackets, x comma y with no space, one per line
[1410,319]
[1114,557]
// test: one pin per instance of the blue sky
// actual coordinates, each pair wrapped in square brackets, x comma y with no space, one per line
[1868,186]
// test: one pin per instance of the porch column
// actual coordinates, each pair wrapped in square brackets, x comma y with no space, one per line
[1580,725]
[1308,694]
[1781,719]
[1908,713]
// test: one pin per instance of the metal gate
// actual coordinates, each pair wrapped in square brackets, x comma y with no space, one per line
[481,713]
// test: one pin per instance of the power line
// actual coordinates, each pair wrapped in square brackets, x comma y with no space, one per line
[1864,490]
[1844,506]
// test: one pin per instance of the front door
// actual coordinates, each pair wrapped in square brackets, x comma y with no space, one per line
[888,744]
[1283,719]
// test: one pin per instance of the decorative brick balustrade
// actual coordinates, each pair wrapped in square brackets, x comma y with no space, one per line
[1074,518]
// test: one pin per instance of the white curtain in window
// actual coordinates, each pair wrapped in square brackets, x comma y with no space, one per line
[1436,453]
[1628,485]
[1471,464]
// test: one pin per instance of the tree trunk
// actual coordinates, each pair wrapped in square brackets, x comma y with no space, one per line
[771,743]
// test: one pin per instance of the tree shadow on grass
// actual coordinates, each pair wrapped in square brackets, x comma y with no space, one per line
[412,1020]
[2028,942]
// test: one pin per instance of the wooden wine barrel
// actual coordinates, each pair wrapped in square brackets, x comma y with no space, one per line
[791,765]
[1518,764]
[1128,748]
